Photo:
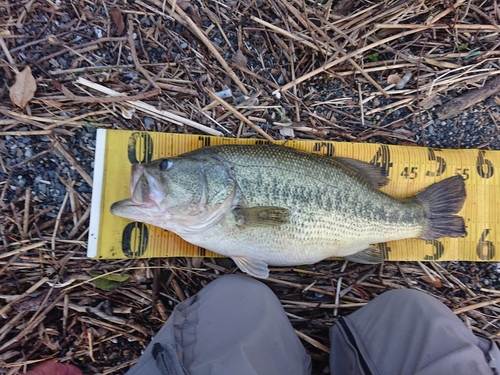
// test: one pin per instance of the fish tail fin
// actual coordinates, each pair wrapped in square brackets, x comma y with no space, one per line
[441,202]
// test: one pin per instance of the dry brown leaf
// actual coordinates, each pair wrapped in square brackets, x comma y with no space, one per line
[87,14]
[183,4]
[23,90]
[116,16]
[437,282]
[393,79]
[240,59]
[430,101]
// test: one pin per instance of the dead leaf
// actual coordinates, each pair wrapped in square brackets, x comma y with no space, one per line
[437,282]
[430,101]
[407,143]
[110,281]
[23,89]
[87,14]
[393,79]
[240,59]
[116,16]
[183,4]
[195,15]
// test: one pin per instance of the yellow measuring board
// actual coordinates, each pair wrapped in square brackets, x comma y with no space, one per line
[410,170]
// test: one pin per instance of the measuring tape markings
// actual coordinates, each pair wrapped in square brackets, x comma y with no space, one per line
[410,170]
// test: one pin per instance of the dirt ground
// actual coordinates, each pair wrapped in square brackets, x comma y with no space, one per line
[414,73]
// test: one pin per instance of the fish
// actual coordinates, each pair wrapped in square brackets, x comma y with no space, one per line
[272,205]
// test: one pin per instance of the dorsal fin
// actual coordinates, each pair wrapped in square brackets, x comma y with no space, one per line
[371,173]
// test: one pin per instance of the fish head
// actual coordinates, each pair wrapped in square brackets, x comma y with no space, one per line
[178,193]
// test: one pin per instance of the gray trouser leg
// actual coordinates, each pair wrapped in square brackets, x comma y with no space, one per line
[408,332]
[235,325]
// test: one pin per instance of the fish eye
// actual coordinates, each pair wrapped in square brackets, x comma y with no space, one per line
[165,164]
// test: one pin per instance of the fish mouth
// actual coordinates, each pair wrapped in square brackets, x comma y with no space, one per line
[146,193]
[145,189]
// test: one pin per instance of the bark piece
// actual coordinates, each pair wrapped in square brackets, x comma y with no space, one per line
[464,101]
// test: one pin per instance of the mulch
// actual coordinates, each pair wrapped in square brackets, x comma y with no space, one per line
[421,73]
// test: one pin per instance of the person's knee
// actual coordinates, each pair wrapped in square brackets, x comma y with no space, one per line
[237,284]
[404,296]
[400,302]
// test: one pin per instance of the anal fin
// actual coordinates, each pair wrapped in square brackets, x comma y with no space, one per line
[254,267]
[370,255]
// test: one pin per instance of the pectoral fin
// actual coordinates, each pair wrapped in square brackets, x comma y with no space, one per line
[261,216]
[254,267]
[371,255]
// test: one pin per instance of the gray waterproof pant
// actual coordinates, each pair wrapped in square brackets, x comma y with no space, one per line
[237,326]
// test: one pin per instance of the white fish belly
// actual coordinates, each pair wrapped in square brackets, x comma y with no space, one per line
[299,242]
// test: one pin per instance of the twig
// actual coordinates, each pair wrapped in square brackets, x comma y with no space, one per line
[193,27]
[27,197]
[73,162]
[152,110]
[312,341]
[347,56]
[476,306]
[239,115]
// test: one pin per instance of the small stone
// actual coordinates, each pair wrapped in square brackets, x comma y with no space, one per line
[430,129]
[28,153]
[19,153]
[437,122]
[148,122]
[62,62]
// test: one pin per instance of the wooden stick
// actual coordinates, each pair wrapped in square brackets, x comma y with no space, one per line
[163,114]
[74,163]
[438,27]
[476,306]
[464,101]
[30,290]
[312,341]
[27,197]
[193,27]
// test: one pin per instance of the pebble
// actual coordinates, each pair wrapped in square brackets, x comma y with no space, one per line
[62,62]
[40,173]
[148,122]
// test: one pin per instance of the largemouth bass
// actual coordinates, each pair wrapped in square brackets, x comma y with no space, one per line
[273,205]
